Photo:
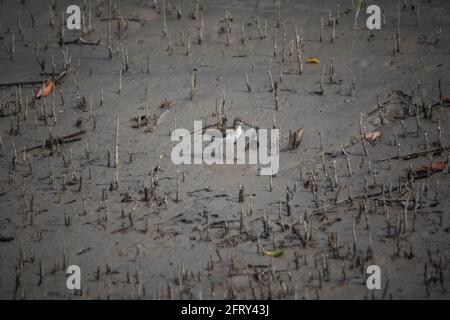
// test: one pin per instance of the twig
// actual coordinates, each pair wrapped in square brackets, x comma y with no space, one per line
[414,155]
[58,141]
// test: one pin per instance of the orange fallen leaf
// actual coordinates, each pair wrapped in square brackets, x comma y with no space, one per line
[45,90]
[446,98]
[372,136]
[312,60]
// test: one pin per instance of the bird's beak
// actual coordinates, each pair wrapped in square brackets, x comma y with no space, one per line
[251,126]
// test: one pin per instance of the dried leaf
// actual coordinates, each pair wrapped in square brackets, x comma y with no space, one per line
[313,60]
[274,253]
[372,136]
[166,104]
[437,166]
[295,139]
[45,90]
[299,135]
[422,171]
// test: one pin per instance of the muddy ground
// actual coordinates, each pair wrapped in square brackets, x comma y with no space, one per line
[136,237]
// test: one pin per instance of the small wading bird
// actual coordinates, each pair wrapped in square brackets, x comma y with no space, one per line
[230,135]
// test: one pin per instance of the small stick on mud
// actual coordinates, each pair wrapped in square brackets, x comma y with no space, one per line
[380,115]
[261,35]
[13,47]
[322,90]
[188,44]
[164,31]
[241,193]
[352,87]
[283,52]
[438,32]
[321,30]
[272,87]
[242,33]
[51,18]
[281,70]
[196,10]
[275,43]
[276,95]
[119,88]
[394,42]
[19,25]
[418,13]
[398,29]
[332,71]
[178,9]
[335,174]
[200,33]
[193,85]
[265,28]
[228,27]
[109,28]
[149,57]
[116,155]
[125,63]
[347,159]
[169,46]
[361,137]
[177,199]
[300,62]
[249,89]
[41,272]
[418,127]
[333,30]
[101,98]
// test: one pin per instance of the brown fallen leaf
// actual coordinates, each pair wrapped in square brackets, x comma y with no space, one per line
[438,166]
[422,171]
[372,136]
[446,98]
